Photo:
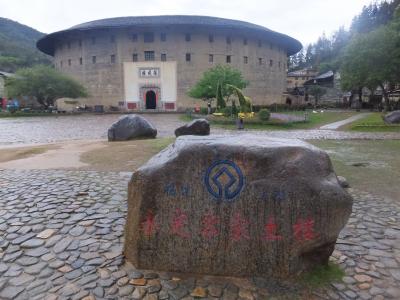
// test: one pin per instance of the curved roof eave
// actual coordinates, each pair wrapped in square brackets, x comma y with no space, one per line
[46,44]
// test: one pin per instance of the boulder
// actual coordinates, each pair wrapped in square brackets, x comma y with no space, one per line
[343,182]
[196,127]
[235,205]
[131,127]
[393,117]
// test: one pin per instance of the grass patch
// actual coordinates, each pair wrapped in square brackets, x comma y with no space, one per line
[315,120]
[372,123]
[123,156]
[322,276]
[19,153]
[19,114]
[369,165]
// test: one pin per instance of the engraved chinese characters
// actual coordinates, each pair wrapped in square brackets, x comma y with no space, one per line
[235,206]
[149,72]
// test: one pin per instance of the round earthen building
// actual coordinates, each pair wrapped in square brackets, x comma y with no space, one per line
[150,63]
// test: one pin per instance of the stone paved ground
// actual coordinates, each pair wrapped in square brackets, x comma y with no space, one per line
[35,130]
[61,236]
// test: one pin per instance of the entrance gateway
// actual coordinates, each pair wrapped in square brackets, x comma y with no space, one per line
[151,100]
[150,86]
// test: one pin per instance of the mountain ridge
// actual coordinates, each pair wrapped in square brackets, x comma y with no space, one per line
[18,46]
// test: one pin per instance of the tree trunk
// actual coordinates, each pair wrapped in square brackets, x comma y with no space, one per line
[359,99]
[385,97]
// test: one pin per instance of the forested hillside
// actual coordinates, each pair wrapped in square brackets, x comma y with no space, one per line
[326,53]
[18,46]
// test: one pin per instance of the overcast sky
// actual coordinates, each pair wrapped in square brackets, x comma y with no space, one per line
[304,20]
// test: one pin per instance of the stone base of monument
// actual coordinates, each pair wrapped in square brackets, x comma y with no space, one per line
[235,205]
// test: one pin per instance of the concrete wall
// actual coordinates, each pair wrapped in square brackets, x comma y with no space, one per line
[105,80]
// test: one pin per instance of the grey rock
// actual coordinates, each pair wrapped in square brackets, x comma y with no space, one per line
[13,271]
[32,243]
[95,261]
[37,252]
[125,290]
[131,127]
[3,267]
[119,274]
[73,274]
[62,245]
[77,231]
[98,292]
[56,264]
[106,282]
[27,260]
[46,272]
[178,293]
[88,278]
[11,292]
[36,268]
[135,275]
[196,127]
[78,263]
[3,283]
[23,279]
[163,295]
[10,257]
[139,293]
[392,117]
[22,238]
[169,284]
[343,182]
[237,179]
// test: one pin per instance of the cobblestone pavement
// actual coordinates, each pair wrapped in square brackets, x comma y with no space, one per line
[62,236]
[32,130]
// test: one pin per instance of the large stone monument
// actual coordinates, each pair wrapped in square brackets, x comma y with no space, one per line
[131,127]
[235,205]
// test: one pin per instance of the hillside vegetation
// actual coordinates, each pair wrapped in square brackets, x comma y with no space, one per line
[18,46]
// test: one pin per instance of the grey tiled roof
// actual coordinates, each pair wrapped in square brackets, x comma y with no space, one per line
[168,20]
[46,44]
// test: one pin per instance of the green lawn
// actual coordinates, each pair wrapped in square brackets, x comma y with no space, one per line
[369,165]
[6,114]
[315,120]
[372,123]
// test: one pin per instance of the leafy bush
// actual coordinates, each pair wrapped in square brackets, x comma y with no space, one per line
[264,115]
[227,111]
[234,109]
[203,110]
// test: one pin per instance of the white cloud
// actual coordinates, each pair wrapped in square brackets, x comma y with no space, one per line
[304,20]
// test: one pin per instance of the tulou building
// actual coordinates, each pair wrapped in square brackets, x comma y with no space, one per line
[150,63]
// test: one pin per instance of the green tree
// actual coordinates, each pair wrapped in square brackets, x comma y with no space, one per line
[45,84]
[244,102]
[220,98]
[373,59]
[206,87]
[316,91]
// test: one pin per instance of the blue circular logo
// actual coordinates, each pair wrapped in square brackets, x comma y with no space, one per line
[224,180]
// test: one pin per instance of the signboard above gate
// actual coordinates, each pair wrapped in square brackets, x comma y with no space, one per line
[149,72]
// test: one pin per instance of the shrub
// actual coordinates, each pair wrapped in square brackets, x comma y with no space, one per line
[227,111]
[264,114]
[203,110]
[234,109]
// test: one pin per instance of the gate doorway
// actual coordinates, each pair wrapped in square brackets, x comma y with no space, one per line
[151,101]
